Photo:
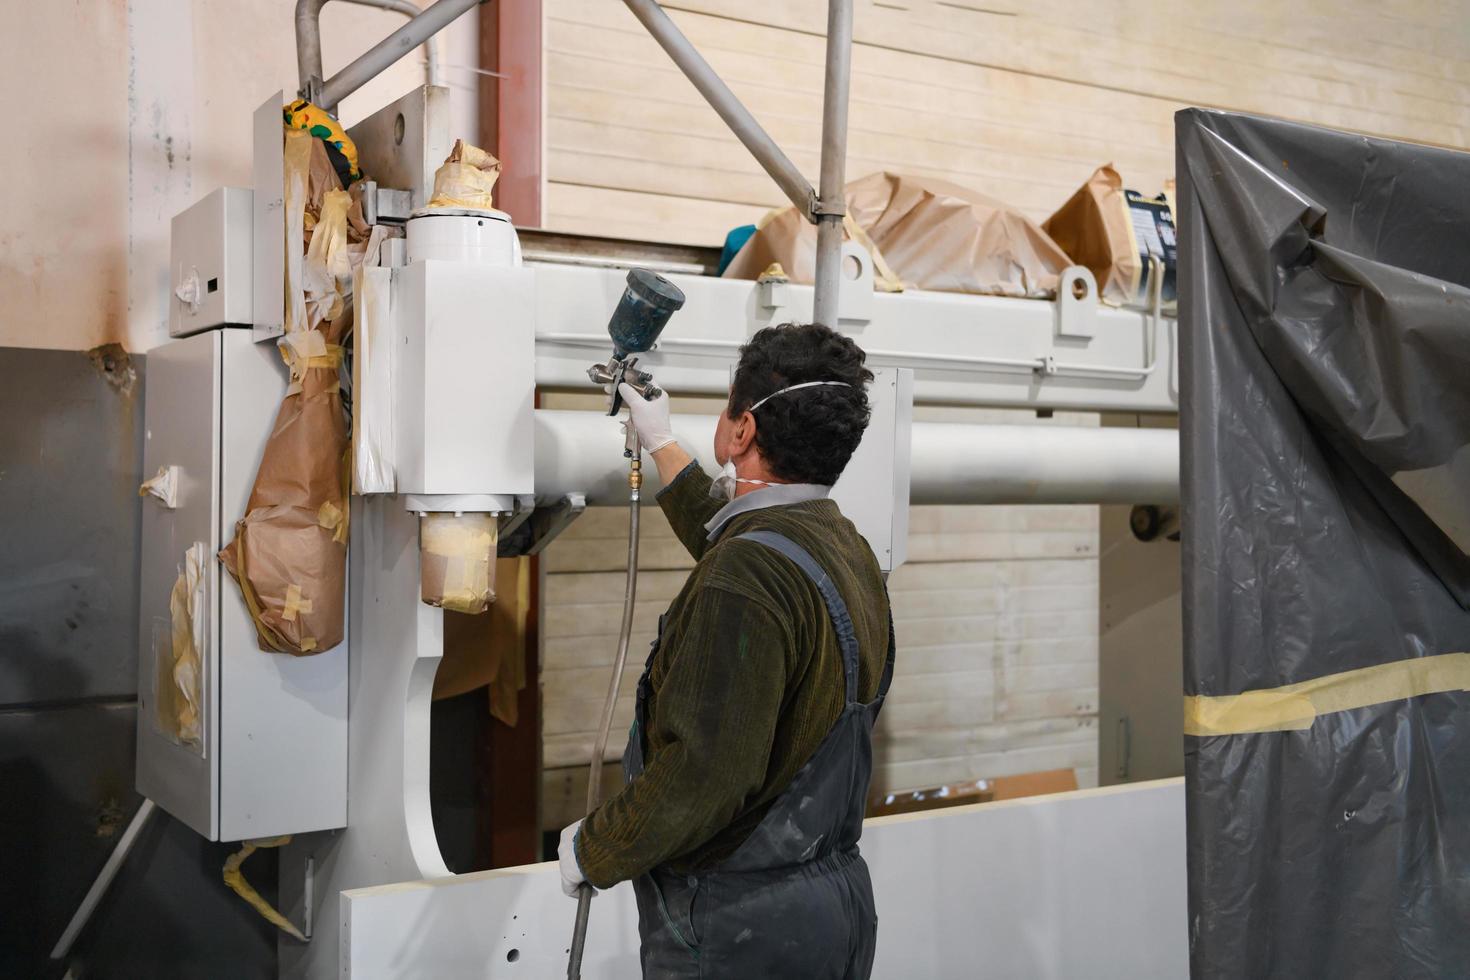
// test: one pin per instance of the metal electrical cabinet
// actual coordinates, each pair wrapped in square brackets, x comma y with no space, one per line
[270,753]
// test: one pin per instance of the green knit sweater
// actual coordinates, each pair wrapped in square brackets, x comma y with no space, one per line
[746,684]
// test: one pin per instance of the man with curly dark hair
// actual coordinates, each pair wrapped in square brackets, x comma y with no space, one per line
[750,754]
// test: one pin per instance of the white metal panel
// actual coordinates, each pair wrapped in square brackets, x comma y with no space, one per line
[402,144]
[1085,884]
[397,645]
[182,426]
[268,210]
[973,350]
[282,720]
[867,489]
[464,379]
[210,262]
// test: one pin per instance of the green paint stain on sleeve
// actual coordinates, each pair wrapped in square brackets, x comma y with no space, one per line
[743,646]
[321,131]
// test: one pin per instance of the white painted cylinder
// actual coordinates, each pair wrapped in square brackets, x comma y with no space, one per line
[951,463]
[463,235]
[956,463]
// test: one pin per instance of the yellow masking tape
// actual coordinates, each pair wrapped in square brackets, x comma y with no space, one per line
[1294,707]
[235,879]
[294,603]
[467,545]
[329,515]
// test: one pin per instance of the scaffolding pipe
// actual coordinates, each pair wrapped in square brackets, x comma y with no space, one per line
[410,10]
[832,205]
[374,61]
[730,109]
[949,462]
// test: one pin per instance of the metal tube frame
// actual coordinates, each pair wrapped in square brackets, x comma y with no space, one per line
[367,66]
[826,211]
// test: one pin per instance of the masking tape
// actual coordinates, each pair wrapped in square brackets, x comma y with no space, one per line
[235,879]
[467,545]
[328,515]
[294,603]
[1294,707]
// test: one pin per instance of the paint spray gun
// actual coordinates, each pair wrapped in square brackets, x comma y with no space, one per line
[640,316]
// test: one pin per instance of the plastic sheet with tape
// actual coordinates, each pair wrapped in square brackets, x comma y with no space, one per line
[1325,420]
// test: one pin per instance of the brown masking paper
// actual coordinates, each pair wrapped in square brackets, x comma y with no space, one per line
[932,234]
[489,650]
[457,561]
[466,179]
[289,553]
[1096,230]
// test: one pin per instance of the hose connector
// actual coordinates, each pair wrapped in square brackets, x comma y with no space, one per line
[635,474]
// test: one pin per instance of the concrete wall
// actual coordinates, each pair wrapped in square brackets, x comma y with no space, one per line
[126,112]
[70,461]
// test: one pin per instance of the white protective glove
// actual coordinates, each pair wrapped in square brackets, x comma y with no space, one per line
[650,418]
[566,858]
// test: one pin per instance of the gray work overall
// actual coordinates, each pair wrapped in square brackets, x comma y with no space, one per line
[795,899]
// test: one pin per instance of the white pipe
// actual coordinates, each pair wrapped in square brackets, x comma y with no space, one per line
[950,463]
[956,463]
[103,881]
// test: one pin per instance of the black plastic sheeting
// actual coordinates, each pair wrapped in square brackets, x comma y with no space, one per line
[1325,415]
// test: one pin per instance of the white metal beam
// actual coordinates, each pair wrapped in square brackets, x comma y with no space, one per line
[1084,884]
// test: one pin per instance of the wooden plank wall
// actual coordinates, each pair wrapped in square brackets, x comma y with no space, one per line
[1021,100]
[998,607]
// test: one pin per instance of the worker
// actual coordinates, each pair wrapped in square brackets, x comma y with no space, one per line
[748,762]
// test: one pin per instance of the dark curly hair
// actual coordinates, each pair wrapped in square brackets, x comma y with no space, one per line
[805,436]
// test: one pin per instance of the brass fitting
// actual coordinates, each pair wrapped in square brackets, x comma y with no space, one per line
[635,474]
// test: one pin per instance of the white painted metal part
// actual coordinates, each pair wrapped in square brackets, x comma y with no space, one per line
[210,261]
[1084,884]
[463,235]
[964,350]
[463,379]
[950,462]
[273,754]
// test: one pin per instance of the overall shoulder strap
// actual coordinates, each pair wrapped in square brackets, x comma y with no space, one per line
[836,608]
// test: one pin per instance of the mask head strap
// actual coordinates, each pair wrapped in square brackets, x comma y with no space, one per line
[804,384]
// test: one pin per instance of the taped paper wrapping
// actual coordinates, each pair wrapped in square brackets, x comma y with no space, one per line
[466,179]
[178,673]
[289,554]
[930,233]
[491,649]
[456,561]
[163,487]
[1096,230]
[372,382]
[326,274]
[235,881]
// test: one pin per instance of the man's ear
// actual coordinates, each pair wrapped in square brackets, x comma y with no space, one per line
[742,437]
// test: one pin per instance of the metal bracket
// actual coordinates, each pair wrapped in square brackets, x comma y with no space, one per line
[385,204]
[1076,303]
[855,284]
[543,524]
[525,506]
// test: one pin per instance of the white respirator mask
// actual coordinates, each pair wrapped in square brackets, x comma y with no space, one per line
[723,487]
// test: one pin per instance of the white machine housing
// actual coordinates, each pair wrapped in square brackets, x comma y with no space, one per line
[273,752]
[210,263]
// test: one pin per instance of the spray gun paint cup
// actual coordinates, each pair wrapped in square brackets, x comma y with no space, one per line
[642,312]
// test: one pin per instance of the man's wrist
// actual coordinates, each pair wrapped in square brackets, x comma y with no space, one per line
[671,460]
